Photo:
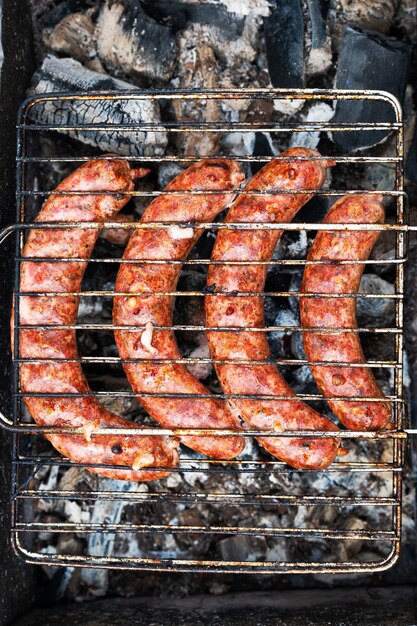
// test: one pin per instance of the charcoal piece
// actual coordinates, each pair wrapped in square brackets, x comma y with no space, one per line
[316,10]
[130,41]
[375,15]
[280,341]
[405,20]
[320,55]
[179,13]
[284,33]
[74,36]
[315,209]
[67,75]
[368,60]
[262,148]
[375,311]
[55,14]
[411,165]
[243,548]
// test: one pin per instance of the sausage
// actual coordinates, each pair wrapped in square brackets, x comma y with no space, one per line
[247,312]
[341,313]
[130,453]
[145,307]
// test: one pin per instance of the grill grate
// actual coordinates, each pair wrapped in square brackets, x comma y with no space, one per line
[210,488]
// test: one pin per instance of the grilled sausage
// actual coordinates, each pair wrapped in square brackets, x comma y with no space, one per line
[335,313]
[145,307]
[247,312]
[61,377]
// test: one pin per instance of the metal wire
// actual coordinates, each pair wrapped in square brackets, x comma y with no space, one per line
[28,462]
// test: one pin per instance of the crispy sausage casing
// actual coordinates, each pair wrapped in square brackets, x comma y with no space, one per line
[247,312]
[43,343]
[147,307]
[335,313]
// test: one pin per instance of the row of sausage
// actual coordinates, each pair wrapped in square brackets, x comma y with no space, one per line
[256,396]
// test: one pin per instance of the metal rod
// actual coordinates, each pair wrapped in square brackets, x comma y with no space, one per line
[25,467]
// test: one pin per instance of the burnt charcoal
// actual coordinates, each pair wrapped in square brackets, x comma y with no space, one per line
[131,42]
[271,307]
[167,172]
[295,286]
[74,36]
[179,13]
[66,75]
[316,209]
[405,20]
[320,54]
[303,380]
[317,12]
[58,12]
[411,165]
[280,341]
[369,60]
[284,32]
[377,15]
[375,311]
[243,548]
[262,148]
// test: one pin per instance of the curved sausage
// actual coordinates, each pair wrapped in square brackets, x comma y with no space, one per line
[222,311]
[341,313]
[68,378]
[143,307]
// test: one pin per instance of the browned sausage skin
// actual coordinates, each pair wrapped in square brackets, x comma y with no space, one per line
[85,412]
[335,313]
[145,307]
[223,311]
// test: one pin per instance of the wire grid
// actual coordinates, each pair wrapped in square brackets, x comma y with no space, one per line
[27,464]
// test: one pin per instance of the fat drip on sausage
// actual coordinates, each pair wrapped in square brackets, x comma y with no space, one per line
[248,312]
[131,453]
[149,374]
[334,313]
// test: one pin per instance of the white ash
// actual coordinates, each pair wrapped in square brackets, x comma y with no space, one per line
[74,513]
[298,248]
[235,56]
[102,544]
[51,479]
[91,308]
[288,106]
[173,481]
[238,143]
[317,113]
[319,60]
[259,8]
[49,571]
[197,476]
